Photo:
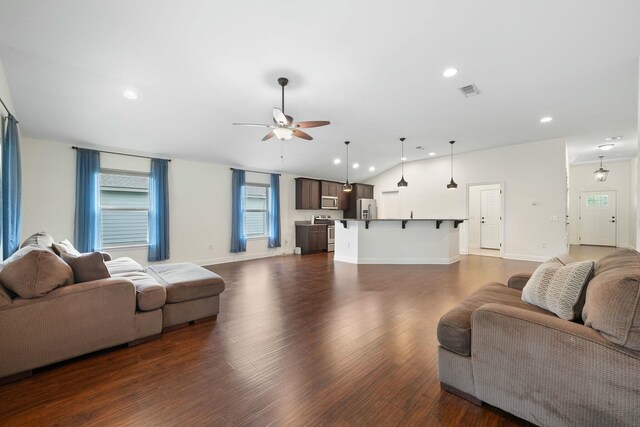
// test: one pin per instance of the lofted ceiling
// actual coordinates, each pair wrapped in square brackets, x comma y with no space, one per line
[373,68]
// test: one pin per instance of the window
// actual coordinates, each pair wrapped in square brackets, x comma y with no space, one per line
[124,205]
[256,209]
[598,200]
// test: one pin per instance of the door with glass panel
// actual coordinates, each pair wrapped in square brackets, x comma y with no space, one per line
[598,218]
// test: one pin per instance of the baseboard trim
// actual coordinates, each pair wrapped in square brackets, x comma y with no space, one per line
[397,261]
[520,257]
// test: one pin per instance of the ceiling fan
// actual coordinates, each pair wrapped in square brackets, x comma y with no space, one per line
[285,128]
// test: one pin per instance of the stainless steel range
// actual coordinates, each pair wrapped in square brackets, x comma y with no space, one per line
[331,229]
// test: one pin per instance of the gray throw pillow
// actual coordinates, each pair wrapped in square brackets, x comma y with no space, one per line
[40,238]
[559,288]
[33,272]
[87,267]
[65,247]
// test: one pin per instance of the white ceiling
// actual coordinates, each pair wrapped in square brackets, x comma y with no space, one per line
[373,68]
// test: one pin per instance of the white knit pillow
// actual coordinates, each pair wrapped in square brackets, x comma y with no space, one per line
[558,288]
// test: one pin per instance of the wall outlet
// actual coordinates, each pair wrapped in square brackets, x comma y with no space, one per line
[348,244]
[544,244]
[210,246]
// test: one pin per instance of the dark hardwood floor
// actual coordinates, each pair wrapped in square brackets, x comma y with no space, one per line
[299,341]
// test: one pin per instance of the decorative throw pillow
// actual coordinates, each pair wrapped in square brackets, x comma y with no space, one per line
[32,272]
[87,267]
[40,238]
[65,246]
[559,288]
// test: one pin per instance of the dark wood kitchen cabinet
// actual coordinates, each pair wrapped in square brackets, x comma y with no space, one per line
[363,191]
[311,238]
[307,193]
[330,188]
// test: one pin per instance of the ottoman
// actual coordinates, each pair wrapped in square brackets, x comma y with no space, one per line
[193,292]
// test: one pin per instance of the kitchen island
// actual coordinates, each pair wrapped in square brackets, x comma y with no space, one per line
[397,241]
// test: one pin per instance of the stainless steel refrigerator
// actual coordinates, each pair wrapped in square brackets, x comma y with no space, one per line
[367,209]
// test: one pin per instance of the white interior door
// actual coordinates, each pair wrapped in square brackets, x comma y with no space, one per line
[598,218]
[390,205]
[490,219]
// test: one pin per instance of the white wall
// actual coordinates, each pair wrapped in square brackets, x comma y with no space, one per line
[534,171]
[200,203]
[619,180]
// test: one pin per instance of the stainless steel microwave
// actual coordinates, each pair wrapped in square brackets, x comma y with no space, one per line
[329,202]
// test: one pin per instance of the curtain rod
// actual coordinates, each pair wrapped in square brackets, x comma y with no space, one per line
[8,111]
[246,170]
[122,154]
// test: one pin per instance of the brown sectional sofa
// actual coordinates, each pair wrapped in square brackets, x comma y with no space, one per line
[132,306]
[497,349]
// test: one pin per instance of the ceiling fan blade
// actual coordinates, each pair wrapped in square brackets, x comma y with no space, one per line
[252,124]
[302,135]
[279,117]
[268,136]
[311,124]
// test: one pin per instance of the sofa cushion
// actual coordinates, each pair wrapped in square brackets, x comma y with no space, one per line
[559,288]
[454,328]
[40,238]
[123,265]
[65,246]
[186,282]
[612,304]
[32,272]
[86,267]
[149,294]
[5,298]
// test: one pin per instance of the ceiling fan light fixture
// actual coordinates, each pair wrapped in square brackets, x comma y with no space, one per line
[283,133]
[601,173]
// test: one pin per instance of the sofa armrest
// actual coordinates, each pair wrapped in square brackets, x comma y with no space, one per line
[119,285]
[517,281]
[551,371]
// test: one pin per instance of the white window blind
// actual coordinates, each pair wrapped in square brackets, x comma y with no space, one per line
[256,209]
[124,204]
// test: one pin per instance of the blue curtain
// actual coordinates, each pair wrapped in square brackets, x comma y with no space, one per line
[11,189]
[87,223]
[238,238]
[159,210]
[274,212]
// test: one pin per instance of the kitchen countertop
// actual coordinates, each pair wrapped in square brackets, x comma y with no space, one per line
[405,219]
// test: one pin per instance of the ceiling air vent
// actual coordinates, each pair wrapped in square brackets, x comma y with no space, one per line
[469,90]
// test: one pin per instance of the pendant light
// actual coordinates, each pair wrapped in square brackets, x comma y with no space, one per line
[602,173]
[402,183]
[452,184]
[347,187]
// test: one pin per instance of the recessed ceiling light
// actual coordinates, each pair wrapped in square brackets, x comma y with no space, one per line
[372,168]
[336,161]
[356,165]
[606,147]
[450,72]
[404,159]
[614,138]
[546,119]
[130,94]
[432,153]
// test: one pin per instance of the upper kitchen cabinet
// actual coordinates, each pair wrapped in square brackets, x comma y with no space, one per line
[359,191]
[307,193]
[363,191]
[330,188]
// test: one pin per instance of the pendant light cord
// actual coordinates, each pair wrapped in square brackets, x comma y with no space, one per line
[452,161]
[347,162]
